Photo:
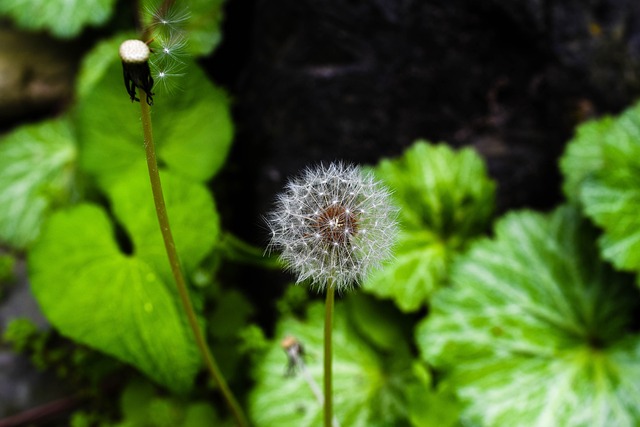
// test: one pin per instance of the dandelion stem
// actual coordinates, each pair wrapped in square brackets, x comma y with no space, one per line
[163,220]
[328,326]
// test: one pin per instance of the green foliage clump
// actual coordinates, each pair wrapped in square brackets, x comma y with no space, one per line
[446,200]
[97,284]
[536,329]
[101,276]
[47,351]
[67,18]
[142,406]
[369,387]
[63,18]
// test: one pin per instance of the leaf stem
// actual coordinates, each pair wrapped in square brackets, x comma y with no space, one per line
[235,249]
[328,326]
[163,220]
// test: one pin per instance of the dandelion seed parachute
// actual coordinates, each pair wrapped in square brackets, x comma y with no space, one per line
[333,225]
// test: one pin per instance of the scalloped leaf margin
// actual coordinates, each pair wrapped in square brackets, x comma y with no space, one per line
[446,200]
[536,330]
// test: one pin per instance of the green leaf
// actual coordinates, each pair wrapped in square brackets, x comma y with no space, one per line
[124,304]
[64,18]
[379,322]
[192,126]
[204,26]
[37,171]
[583,155]
[432,409]
[187,203]
[602,165]
[367,391]
[142,405]
[231,314]
[446,199]
[96,63]
[536,330]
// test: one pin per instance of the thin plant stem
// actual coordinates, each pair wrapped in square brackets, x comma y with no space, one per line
[328,355]
[163,220]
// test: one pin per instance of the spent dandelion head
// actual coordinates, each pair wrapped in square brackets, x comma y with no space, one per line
[333,225]
[161,59]
[135,66]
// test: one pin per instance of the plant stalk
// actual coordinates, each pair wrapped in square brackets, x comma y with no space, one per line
[328,355]
[163,220]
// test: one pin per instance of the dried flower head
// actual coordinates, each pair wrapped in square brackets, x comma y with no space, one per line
[135,67]
[160,59]
[333,225]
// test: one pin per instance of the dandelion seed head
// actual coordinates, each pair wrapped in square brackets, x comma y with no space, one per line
[333,225]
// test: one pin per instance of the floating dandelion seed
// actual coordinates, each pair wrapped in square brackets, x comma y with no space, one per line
[166,76]
[171,19]
[172,48]
[333,225]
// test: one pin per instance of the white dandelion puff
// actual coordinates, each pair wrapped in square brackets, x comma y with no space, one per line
[333,225]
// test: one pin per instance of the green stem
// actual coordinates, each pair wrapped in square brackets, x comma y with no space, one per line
[163,220]
[235,249]
[328,326]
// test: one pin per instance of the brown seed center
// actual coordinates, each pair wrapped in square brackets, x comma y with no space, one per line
[335,224]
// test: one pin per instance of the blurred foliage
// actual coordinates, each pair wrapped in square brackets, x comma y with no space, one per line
[47,351]
[602,163]
[536,330]
[63,18]
[7,271]
[37,174]
[143,406]
[368,385]
[199,19]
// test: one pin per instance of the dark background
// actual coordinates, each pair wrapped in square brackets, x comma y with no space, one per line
[316,80]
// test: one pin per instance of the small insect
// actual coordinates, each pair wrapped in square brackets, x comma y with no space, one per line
[135,67]
[295,353]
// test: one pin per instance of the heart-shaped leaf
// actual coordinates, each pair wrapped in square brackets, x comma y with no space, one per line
[124,303]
